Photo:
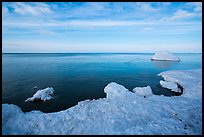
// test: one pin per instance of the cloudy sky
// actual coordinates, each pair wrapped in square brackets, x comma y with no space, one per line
[101,27]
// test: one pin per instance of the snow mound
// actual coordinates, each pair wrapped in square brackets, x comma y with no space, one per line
[121,112]
[113,90]
[170,85]
[44,95]
[164,55]
[143,91]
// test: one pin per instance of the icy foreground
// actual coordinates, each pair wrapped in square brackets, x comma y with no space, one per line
[164,55]
[121,112]
[44,94]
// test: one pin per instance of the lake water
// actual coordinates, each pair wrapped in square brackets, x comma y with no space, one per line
[80,76]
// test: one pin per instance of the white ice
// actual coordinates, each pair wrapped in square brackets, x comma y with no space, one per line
[165,55]
[121,112]
[143,91]
[43,94]
[190,80]
[170,85]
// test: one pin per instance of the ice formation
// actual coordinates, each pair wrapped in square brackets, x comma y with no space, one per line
[114,90]
[164,55]
[43,94]
[143,91]
[188,79]
[121,112]
[170,85]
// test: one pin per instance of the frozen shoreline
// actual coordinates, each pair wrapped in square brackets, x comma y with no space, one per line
[121,112]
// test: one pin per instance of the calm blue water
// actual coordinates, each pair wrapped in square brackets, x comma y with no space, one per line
[77,76]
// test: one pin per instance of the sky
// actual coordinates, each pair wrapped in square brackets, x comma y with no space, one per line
[64,27]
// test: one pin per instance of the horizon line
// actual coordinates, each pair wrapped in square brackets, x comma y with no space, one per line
[86,52]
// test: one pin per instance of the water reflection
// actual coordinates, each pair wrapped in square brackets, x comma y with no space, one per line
[164,64]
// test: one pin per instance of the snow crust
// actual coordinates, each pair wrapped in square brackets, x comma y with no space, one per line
[143,91]
[170,85]
[165,55]
[43,94]
[121,112]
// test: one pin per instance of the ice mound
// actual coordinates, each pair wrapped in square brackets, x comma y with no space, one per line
[164,55]
[113,90]
[143,91]
[170,85]
[44,95]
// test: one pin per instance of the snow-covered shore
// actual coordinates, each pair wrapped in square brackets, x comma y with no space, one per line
[121,112]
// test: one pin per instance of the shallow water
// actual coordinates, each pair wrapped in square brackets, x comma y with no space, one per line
[79,76]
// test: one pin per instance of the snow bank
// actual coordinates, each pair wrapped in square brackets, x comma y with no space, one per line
[143,91]
[44,95]
[121,112]
[170,85]
[189,80]
[164,55]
